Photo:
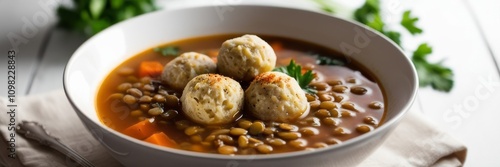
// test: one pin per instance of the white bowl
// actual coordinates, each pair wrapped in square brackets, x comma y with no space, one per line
[90,64]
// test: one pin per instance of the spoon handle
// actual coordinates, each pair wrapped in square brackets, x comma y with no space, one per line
[35,131]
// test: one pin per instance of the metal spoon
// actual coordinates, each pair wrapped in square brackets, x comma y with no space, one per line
[35,131]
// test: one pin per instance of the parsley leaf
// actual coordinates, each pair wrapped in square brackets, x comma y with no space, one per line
[422,51]
[367,11]
[394,36]
[167,51]
[409,23]
[436,75]
[376,23]
[295,71]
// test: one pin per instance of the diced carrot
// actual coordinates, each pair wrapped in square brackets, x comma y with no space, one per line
[161,139]
[141,130]
[277,46]
[150,68]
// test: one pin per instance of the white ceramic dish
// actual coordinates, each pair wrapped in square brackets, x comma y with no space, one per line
[91,63]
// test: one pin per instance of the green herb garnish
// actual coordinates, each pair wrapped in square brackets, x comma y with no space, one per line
[409,23]
[324,60]
[295,71]
[167,51]
[436,75]
[369,14]
[92,16]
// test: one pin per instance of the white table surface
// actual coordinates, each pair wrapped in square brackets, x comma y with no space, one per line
[463,32]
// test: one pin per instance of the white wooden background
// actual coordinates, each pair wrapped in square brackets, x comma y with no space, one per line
[463,32]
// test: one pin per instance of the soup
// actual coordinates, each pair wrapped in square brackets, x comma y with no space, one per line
[346,102]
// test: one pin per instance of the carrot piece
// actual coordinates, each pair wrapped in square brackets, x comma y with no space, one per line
[141,130]
[277,46]
[150,68]
[161,139]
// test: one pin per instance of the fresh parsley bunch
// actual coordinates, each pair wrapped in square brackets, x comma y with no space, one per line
[436,75]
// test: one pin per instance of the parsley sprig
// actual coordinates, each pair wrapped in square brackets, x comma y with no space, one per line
[433,74]
[167,50]
[325,60]
[295,71]
[436,75]
[409,23]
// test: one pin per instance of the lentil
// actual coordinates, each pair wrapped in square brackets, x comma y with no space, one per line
[359,90]
[376,105]
[263,148]
[289,135]
[370,120]
[129,99]
[276,142]
[256,128]
[328,105]
[299,143]
[227,150]
[155,111]
[309,131]
[134,92]
[245,124]
[321,113]
[341,131]
[364,128]
[243,141]
[340,88]
[238,131]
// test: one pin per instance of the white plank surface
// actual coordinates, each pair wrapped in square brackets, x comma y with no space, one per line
[28,22]
[487,13]
[50,72]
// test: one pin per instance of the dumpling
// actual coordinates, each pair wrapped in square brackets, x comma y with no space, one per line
[212,99]
[178,72]
[245,57]
[275,96]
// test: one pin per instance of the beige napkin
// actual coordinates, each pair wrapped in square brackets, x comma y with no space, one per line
[414,142]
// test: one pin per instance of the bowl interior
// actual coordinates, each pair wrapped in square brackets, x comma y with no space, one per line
[92,62]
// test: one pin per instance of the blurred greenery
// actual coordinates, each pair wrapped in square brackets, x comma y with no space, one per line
[92,16]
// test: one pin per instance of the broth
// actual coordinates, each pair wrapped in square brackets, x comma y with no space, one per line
[359,112]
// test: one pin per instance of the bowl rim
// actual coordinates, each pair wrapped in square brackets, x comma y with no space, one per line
[348,143]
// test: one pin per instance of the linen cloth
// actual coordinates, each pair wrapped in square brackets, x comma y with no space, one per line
[415,142]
